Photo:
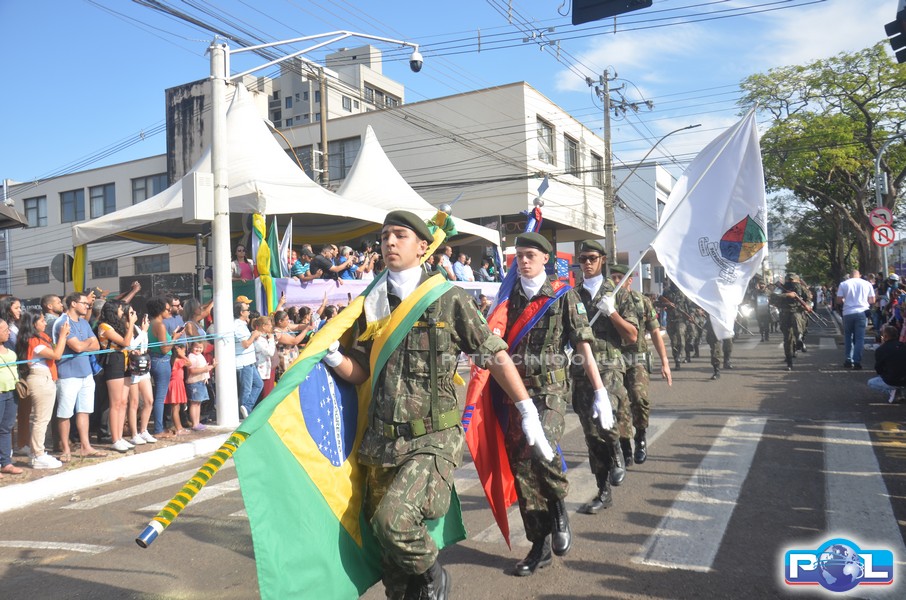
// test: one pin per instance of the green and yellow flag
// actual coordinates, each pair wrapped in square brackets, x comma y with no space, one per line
[302,485]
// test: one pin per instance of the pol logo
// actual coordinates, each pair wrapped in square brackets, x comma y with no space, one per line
[838,565]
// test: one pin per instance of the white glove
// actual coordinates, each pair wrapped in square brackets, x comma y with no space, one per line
[608,304]
[334,357]
[531,426]
[602,410]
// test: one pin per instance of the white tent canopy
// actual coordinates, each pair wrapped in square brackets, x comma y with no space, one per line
[262,178]
[373,180]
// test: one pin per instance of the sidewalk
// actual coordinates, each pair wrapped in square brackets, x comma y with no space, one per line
[38,485]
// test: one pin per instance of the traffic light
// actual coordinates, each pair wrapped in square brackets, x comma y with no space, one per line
[896,31]
[593,10]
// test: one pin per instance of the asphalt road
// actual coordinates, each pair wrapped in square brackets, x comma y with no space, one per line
[740,470]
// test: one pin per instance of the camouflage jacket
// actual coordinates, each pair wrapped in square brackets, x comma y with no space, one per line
[402,393]
[607,343]
[647,321]
[681,304]
[542,350]
[787,304]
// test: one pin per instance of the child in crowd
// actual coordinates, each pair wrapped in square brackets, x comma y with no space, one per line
[265,347]
[176,394]
[199,372]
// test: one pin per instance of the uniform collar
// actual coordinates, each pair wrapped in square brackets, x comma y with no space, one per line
[532,285]
[403,283]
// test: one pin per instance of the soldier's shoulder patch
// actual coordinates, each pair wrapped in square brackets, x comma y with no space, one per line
[580,308]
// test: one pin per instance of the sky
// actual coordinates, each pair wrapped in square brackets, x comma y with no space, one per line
[85,79]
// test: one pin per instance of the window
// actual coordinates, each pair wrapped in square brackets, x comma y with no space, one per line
[297,97]
[391,102]
[597,171]
[72,206]
[369,94]
[318,96]
[37,276]
[276,116]
[104,268]
[546,142]
[571,156]
[341,155]
[317,117]
[276,94]
[103,199]
[355,104]
[145,187]
[288,102]
[36,211]
[305,96]
[297,118]
[154,263]
[347,103]
[289,123]
[303,154]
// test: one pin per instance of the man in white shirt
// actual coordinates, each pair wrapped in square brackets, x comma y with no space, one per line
[250,384]
[856,296]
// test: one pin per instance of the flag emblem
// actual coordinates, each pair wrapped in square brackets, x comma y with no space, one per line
[330,413]
[742,241]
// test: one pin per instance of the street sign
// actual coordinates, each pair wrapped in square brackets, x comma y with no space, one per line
[880,216]
[883,235]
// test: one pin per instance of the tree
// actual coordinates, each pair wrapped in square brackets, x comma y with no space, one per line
[829,120]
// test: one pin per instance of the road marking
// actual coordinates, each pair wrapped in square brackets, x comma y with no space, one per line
[208,492]
[827,343]
[582,486]
[858,503]
[28,545]
[138,490]
[680,542]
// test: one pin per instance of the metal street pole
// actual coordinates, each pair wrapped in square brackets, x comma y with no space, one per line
[227,399]
[610,226]
[879,201]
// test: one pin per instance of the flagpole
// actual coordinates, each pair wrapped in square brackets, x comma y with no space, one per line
[689,191]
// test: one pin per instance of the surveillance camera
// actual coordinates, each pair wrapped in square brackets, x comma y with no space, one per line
[416,61]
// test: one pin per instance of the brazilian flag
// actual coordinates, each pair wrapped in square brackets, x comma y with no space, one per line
[302,486]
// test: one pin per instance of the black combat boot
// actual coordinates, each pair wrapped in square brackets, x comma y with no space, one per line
[604,498]
[641,446]
[688,356]
[538,558]
[696,355]
[676,364]
[617,465]
[561,536]
[433,584]
[728,364]
[789,363]
[716,374]
[626,447]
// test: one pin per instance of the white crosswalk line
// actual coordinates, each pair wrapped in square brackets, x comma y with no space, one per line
[208,492]
[177,479]
[858,502]
[691,544]
[582,486]
[827,343]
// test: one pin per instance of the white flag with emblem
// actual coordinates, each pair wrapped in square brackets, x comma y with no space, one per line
[713,238]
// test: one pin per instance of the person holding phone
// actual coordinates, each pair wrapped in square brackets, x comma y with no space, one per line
[160,347]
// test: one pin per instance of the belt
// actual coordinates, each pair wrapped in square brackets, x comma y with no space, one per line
[537,381]
[632,359]
[418,427]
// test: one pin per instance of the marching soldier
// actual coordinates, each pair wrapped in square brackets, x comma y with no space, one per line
[680,323]
[541,484]
[759,298]
[637,357]
[414,439]
[721,350]
[792,298]
[614,326]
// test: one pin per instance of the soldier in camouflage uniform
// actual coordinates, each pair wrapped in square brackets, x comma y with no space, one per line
[637,357]
[540,357]
[611,330]
[789,298]
[721,350]
[680,323]
[414,439]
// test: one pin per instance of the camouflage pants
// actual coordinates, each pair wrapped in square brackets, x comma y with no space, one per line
[792,325]
[721,350]
[598,441]
[680,332]
[636,380]
[538,481]
[398,500]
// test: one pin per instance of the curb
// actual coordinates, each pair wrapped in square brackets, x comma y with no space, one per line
[48,488]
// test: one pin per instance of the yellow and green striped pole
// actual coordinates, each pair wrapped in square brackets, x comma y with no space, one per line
[169,512]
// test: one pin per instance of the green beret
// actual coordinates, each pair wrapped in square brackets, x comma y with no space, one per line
[534,240]
[592,246]
[404,218]
[621,269]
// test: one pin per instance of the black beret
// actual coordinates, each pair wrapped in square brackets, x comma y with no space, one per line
[621,269]
[792,277]
[404,218]
[592,246]
[534,240]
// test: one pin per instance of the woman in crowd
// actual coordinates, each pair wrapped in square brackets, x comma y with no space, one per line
[265,348]
[194,313]
[243,267]
[288,336]
[140,392]
[160,345]
[33,344]
[11,312]
[114,331]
